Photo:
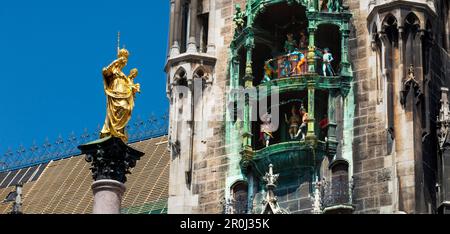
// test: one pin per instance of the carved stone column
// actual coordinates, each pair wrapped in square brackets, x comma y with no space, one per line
[212,27]
[172,23]
[346,71]
[401,48]
[386,66]
[175,47]
[332,122]
[192,44]
[111,160]
[248,85]
[177,22]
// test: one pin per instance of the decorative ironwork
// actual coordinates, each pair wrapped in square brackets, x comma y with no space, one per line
[139,130]
[337,192]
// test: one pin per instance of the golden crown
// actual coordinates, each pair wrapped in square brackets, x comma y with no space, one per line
[123,53]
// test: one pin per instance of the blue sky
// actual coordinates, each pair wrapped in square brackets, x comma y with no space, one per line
[51,61]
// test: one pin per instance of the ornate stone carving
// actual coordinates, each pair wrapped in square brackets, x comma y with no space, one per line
[409,83]
[270,202]
[443,121]
[111,158]
[239,18]
[317,200]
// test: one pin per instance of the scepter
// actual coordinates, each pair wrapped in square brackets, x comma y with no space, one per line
[118,42]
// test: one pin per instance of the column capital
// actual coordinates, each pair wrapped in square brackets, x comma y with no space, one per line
[111,158]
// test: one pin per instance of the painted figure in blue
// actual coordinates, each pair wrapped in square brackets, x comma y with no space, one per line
[326,61]
[286,66]
[269,70]
[299,60]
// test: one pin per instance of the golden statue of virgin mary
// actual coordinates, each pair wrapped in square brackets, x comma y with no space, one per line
[120,92]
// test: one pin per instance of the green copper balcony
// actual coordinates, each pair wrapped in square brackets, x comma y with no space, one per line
[298,83]
[290,156]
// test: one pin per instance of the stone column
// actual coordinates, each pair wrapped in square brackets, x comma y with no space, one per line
[175,47]
[190,131]
[447,31]
[418,56]
[401,49]
[386,54]
[111,160]
[332,110]
[212,27]
[172,23]
[248,85]
[192,44]
[250,192]
[177,22]
[344,53]
[107,196]
[235,68]
[376,48]
[313,5]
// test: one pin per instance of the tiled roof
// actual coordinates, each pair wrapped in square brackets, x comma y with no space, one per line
[64,186]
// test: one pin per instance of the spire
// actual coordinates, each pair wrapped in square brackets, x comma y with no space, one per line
[317,200]
[271,179]
[270,202]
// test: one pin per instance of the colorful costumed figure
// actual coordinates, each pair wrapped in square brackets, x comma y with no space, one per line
[294,122]
[327,58]
[285,66]
[300,59]
[304,126]
[323,124]
[266,129]
[290,44]
[268,71]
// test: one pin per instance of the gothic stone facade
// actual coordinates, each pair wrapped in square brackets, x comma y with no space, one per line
[392,58]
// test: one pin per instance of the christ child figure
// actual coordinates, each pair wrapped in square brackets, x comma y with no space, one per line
[135,88]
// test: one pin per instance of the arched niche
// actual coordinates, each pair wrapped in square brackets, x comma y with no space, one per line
[329,36]
[239,195]
[270,29]
[390,26]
